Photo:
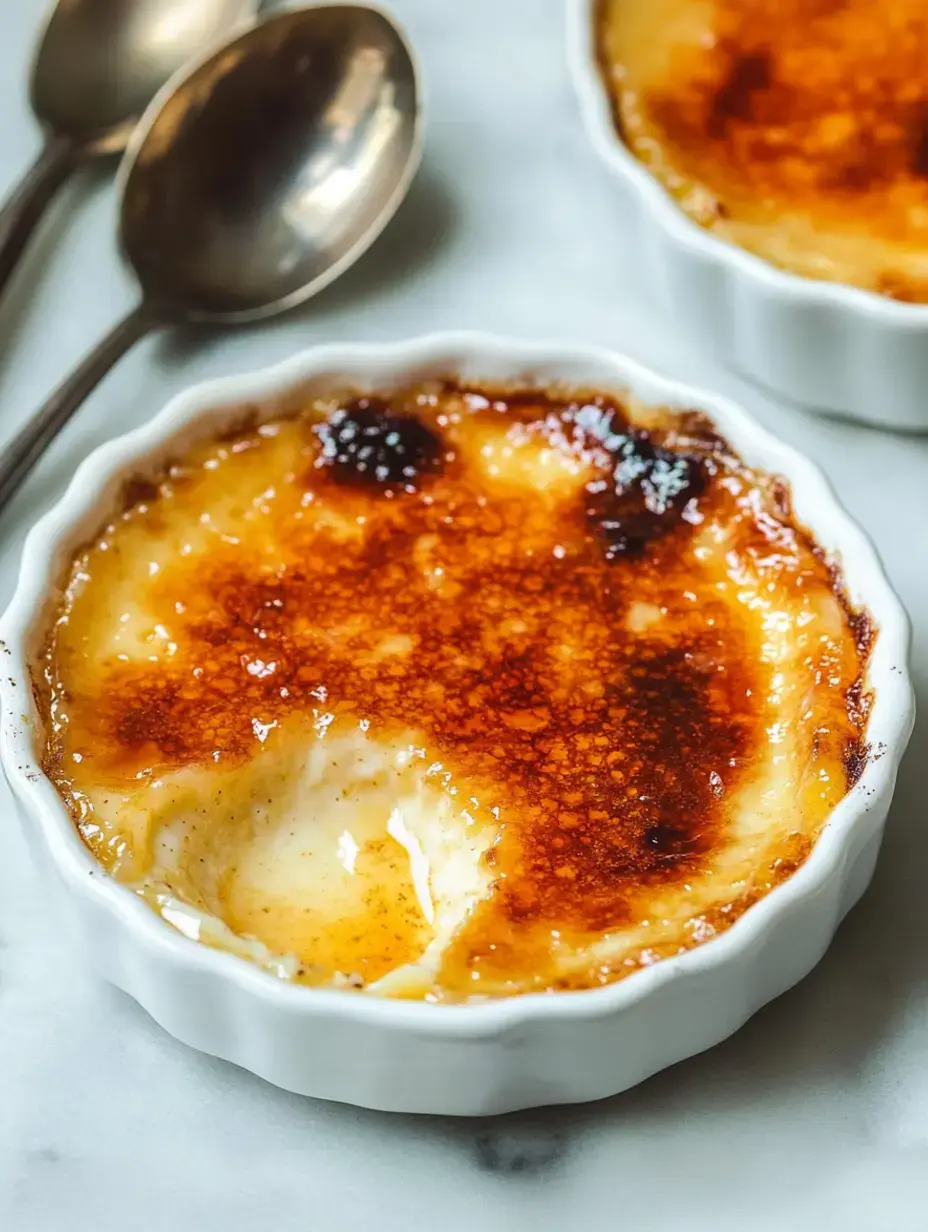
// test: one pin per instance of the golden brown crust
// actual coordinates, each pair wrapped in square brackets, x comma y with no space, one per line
[612,744]
[815,109]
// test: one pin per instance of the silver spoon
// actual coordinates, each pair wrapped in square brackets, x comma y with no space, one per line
[254,183]
[97,66]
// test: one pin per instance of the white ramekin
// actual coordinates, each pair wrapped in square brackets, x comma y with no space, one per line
[832,348]
[493,1056]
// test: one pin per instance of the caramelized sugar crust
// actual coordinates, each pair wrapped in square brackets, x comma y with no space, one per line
[810,116]
[533,584]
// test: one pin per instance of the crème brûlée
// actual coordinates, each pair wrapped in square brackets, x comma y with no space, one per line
[455,692]
[796,129]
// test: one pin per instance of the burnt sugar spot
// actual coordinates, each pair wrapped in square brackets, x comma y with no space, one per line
[919,141]
[138,491]
[747,75]
[643,487]
[820,106]
[855,757]
[367,443]
[666,839]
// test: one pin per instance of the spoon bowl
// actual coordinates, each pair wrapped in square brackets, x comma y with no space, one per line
[99,63]
[272,166]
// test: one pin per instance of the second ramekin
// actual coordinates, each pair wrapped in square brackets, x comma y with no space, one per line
[835,349]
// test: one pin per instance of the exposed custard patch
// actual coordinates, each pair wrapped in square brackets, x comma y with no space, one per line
[798,129]
[456,693]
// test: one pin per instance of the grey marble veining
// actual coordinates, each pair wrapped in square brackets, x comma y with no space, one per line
[814,1116]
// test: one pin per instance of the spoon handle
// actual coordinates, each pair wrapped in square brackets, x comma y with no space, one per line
[20,454]
[26,204]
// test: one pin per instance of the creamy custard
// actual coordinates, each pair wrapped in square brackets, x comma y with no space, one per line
[455,693]
[797,129]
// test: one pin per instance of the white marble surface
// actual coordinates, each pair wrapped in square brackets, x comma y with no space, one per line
[814,1116]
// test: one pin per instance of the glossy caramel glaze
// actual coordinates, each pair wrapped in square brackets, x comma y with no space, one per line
[798,129]
[468,691]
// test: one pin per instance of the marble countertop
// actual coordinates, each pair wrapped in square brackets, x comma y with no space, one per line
[815,1115]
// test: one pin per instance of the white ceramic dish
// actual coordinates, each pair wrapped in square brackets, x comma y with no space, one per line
[833,348]
[495,1056]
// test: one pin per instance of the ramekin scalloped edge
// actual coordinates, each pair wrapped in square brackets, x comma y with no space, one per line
[836,349]
[489,1057]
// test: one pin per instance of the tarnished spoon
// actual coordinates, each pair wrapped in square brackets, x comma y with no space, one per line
[97,66]
[267,171]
